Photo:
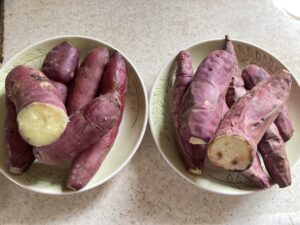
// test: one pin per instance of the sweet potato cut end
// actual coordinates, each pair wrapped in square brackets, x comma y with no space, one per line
[231,152]
[196,141]
[195,171]
[41,124]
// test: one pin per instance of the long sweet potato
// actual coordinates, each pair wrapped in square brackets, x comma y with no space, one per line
[61,63]
[19,154]
[252,75]
[203,103]
[271,148]
[62,90]
[236,87]
[234,146]
[85,128]
[86,164]
[86,83]
[41,115]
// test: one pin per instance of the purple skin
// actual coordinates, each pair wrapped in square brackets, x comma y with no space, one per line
[61,63]
[236,87]
[93,121]
[271,147]
[62,91]
[203,105]
[252,75]
[19,154]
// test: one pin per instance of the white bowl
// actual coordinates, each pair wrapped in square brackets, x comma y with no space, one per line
[50,179]
[214,180]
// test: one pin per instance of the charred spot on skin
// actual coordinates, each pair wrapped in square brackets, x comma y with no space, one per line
[38,77]
[256,124]
[209,69]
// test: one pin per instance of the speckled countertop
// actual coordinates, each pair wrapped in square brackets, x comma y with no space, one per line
[148,191]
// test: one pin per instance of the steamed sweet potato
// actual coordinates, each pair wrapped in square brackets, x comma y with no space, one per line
[62,90]
[85,128]
[252,75]
[203,103]
[235,143]
[236,87]
[86,83]
[271,148]
[41,115]
[61,63]
[19,154]
[86,164]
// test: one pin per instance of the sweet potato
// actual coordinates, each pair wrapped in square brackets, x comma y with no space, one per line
[86,83]
[85,128]
[236,87]
[61,63]
[271,148]
[86,164]
[41,115]
[235,143]
[62,90]
[19,154]
[252,75]
[203,103]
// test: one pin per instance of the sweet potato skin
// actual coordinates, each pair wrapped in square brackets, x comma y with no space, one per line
[19,154]
[249,121]
[252,75]
[62,91]
[61,63]
[87,79]
[271,147]
[87,163]
[93,121]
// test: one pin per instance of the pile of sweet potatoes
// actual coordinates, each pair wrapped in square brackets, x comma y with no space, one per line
[65,112]
[232,116]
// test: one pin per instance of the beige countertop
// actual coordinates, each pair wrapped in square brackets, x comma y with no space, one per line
[148,191]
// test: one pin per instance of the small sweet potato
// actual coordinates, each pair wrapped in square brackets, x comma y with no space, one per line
[87,79]
[252,75]
[203,104]
[19,154]
[271,148]
[85,128]
[61,63]
[62,90]
[234,146]
[41,115]
[86,164]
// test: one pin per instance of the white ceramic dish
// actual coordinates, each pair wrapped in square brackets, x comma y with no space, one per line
[214,180]
[50,179]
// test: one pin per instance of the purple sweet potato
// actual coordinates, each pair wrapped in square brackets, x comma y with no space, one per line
[203,104]
[236,87]
[61,63]
[85,128]
[62,90]
[19,154]
[86,164]
[234,146]
[41,115]
[87,79]
[252,75]
[271,148]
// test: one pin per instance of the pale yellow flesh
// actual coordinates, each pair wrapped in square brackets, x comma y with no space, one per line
[231,152]
[41,124]
[197,141]
[195,171]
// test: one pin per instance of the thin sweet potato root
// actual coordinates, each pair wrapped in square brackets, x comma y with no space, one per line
[234,146]
[19,154]
[41,115]
[85,128]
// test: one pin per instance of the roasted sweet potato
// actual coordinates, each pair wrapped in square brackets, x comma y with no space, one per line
[19,154]
[62,90]
[236,87]
[86,164]
[61,63]
[203,103]
[85,128]
[41,115]
[252,75]
[86,83]
[235,143]
[271,147]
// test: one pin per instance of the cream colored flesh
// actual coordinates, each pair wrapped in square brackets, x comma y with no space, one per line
[196,141]
[41,124]
[231,152]
[195,171]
